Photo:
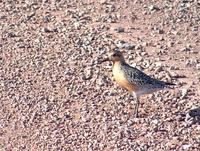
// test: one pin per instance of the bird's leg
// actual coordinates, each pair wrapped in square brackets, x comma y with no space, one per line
[136,104]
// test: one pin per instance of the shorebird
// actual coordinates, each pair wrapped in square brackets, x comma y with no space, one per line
[132,79]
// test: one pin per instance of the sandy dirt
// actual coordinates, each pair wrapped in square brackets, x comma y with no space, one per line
[54,95]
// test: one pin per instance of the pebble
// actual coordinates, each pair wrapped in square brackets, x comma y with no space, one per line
[153,8]
[185,49]
[87,73]
[184,93]
[119,29]
[125,45]
[189,120]
[198,66]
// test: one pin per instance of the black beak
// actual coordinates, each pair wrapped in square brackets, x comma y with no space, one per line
[100,61]
[104,60]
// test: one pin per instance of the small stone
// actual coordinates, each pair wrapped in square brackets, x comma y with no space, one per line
[153,8]
[103,1]
[170,44]
[155,121]
[129,46]
[174,68]
[187,146]
[198,77]
[185,49]
[77,25]
[30,15]
[195,28]
[158,64]
[192,117]
[198,66]
[161,31]
[194,112]
[3,17]
[119,29]
[87,73]
[125,45]
[46,30]
[184,93]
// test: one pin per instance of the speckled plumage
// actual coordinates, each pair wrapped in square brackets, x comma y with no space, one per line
[145,83]
[133,79]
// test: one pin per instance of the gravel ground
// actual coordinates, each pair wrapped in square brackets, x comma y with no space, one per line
[54,95]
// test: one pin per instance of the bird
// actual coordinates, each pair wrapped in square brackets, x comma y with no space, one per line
[132,79]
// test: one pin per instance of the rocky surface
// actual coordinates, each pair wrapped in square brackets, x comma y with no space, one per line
[55,95]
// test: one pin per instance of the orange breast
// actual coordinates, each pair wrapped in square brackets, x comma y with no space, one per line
[120,78]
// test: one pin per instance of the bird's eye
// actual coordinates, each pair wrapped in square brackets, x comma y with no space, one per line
[114,55]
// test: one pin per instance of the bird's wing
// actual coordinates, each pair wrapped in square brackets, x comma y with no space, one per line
[135,76]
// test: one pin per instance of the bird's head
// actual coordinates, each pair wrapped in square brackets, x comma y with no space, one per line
[114,56]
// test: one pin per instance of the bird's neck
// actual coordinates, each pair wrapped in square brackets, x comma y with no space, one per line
[118,63]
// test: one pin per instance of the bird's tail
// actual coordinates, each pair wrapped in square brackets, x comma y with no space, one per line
[169,84]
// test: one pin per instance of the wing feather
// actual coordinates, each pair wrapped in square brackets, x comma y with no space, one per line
[138,77]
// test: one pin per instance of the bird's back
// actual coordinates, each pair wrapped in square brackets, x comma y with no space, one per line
[135,80]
